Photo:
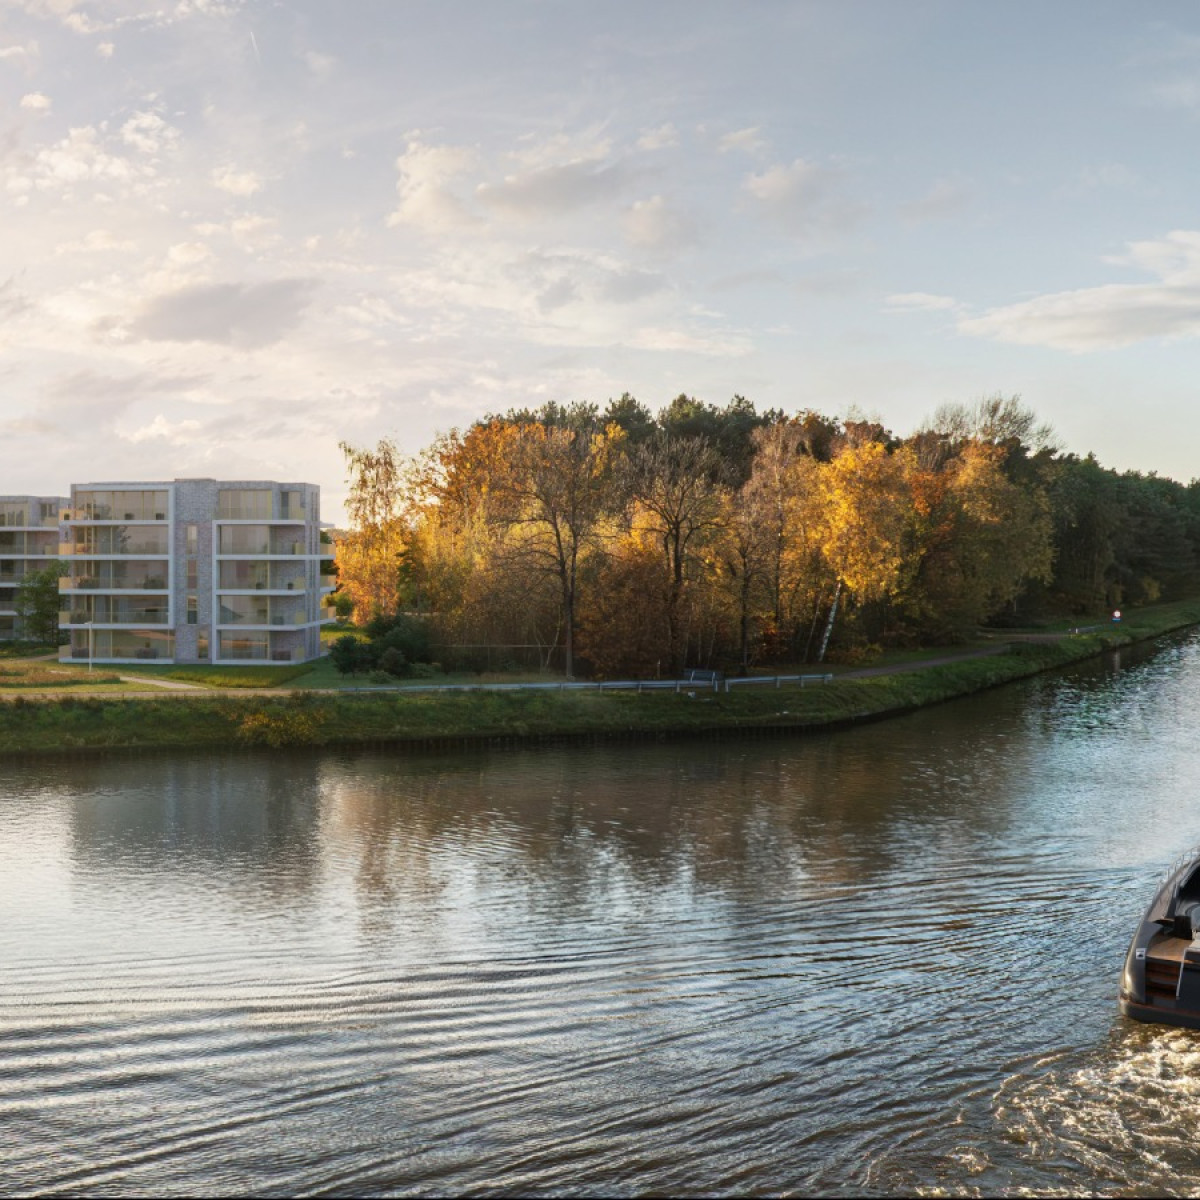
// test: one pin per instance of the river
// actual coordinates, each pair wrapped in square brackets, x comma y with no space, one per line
[878,961]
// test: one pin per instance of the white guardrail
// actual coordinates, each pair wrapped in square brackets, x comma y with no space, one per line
[608,685]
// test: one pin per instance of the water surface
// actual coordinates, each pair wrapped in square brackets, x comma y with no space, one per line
[876,961]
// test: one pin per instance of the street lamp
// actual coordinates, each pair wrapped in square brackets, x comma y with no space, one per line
[89,647]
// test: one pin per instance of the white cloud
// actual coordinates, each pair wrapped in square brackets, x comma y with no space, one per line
[178,433]
[95,241]
[21,53]
[246,315]
[656,225]
[427,198]
[320,65]
[658,139]
[235,182]
[948,197]
[78,157]
[919,302]
[748,141]
[149,133]
[105,49]
[1110,315]
[805,199]
[553,190]
[35,102]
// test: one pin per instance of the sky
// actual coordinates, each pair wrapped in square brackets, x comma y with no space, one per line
[234,233]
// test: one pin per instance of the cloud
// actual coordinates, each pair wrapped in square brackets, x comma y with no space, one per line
[236,183]
[919,302]
[24,54]
[105,49]
[35,102]
[805,199]
[149,133]
[555,190]
[320,66]
[12,302]
[427,199]
[245,315]
[177,433]
[1111,315]
[656,225]
[948,197]
[748,141]
[88,154]
[95,241]
[630,284]
[658,139]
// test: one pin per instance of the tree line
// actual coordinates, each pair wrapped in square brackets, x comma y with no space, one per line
[623,542]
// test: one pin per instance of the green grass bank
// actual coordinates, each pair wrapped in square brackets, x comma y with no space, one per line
[424,720]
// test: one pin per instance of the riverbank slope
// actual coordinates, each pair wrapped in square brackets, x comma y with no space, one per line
[426,720]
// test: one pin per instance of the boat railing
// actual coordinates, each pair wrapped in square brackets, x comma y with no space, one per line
[1179,863]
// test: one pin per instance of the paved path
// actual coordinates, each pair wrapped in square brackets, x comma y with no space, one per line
[178,689]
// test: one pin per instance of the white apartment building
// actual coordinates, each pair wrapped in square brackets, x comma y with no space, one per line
[195,570]
[28,542]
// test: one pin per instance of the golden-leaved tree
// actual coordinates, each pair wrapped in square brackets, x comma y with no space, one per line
[368,557]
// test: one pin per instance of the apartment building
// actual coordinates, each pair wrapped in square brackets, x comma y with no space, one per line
[28,542]
[195,570]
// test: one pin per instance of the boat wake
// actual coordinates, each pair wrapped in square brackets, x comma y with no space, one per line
[1127,1122]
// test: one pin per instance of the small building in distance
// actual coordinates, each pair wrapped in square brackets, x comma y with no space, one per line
[193,571]
[29,535]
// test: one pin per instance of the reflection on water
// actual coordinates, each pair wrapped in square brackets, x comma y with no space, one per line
[877,961]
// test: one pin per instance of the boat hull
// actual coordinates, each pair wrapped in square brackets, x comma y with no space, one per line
[1161,980]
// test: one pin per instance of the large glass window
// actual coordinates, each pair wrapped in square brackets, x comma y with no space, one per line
[119,643]
[245,539]
[130,575]
[245,645]
[121,505]
[83,608]
[120,539]
[244,504]
[13,513]
[291,506]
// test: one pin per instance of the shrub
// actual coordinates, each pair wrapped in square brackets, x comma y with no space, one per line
[285,729]
[393,662]
[350,655]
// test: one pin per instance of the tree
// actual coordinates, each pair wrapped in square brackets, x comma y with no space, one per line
[368,557]
[560,485]
[37,605]
[867,507]
[672,482]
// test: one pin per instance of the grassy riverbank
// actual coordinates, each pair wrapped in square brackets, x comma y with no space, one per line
[78,724]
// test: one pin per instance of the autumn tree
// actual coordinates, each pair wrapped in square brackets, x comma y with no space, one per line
[866,515]
[368,556]
[672,485]
[558,488]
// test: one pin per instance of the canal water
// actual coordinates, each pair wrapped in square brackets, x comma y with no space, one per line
[879,961]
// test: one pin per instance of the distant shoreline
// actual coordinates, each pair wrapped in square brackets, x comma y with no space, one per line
[464,721]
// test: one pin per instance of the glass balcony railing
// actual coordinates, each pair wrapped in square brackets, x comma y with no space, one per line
[88,583]
[128,616]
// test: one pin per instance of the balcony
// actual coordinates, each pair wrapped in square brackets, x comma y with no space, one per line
[261,616]
[119,616]
[93,583]
[104,549]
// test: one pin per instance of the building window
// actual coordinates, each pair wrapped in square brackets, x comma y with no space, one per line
[192,573]
[192,610]
[202,647]
[193,539]
[243,504]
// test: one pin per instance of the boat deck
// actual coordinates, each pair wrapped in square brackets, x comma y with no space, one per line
[1169,949]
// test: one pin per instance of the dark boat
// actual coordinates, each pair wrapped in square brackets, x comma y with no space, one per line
[1161,980]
